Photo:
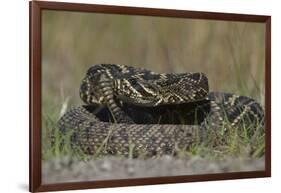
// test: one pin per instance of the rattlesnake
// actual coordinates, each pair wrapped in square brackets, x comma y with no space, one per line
[135,112]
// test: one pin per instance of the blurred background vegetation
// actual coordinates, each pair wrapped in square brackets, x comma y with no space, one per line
[231,54]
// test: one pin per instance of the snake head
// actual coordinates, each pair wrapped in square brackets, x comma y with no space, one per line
[168,89]
[136,91]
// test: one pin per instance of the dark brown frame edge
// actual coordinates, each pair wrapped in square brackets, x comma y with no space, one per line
[36,7]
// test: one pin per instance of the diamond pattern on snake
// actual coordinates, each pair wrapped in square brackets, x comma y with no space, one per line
[137,112]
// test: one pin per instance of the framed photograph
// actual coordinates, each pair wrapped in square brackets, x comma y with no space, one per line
[123,96]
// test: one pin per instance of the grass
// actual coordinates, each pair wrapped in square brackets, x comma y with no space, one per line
[235,142]
[217,143]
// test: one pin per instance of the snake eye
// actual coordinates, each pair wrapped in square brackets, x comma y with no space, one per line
[173,99]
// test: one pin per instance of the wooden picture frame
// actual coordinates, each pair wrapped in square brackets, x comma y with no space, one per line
[36,8]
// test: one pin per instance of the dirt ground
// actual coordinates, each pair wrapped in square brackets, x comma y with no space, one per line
[69,170]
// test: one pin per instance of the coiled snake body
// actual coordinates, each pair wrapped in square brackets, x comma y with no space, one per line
[133,111]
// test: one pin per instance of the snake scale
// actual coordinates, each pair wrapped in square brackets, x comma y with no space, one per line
[137,112]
